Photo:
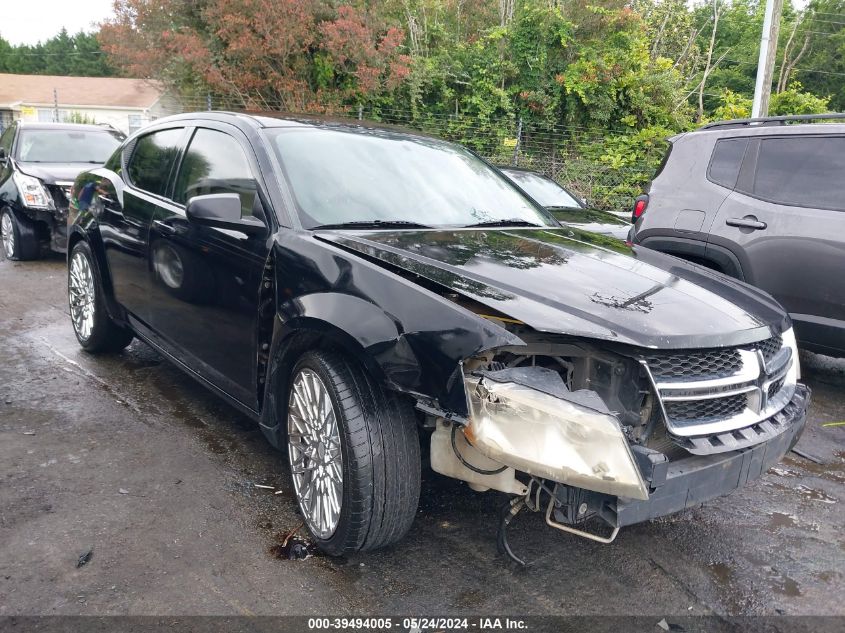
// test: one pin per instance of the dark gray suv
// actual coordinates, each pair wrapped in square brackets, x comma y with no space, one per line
[763,201]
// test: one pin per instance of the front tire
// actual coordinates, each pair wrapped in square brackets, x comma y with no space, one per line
[354,455]
[19,239]
[94,328]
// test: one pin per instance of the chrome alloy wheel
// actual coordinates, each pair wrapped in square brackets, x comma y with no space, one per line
[81,295]
[8,233]
[315,454]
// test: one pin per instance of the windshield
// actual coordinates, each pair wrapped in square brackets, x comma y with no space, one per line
[544,190]
[340,177]
[66,146]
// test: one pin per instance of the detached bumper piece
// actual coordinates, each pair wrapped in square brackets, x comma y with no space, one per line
[691,481]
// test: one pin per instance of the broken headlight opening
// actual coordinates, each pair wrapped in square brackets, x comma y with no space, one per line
[534,430]
[581,433]
[527,418]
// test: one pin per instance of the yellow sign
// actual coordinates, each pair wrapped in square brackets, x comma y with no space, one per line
[27,111]
[509,142]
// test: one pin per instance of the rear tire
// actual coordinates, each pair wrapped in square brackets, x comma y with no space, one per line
[94,328]
[19,238]
[379,457]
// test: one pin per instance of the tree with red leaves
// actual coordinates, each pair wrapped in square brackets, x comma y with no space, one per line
[292,55]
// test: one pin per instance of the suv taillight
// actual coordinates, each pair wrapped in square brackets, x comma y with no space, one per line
[640,205]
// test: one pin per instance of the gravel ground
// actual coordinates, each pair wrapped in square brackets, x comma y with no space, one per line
[128,458]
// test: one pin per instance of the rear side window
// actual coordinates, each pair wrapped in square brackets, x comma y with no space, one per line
[152,158]
[726,160]
[215,163]
[802,171]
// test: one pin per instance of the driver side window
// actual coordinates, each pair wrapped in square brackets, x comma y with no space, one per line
[216,163]
[7,138]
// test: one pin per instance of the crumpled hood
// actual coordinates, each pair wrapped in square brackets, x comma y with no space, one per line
[566,281]
[51,173]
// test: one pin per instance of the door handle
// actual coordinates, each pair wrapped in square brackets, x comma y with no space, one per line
[747,223]
[164,228]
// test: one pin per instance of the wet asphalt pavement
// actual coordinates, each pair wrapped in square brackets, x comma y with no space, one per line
[128,458]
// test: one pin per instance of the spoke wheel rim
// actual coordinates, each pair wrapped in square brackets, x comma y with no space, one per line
[81,295]
[8,233]
[315,454]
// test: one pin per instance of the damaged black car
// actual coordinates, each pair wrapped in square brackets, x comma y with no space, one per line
[38,164]
[362,291]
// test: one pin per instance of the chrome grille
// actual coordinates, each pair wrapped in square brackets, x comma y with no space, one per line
[717,391]
[686,411]
[776,386]
[770,347]
[694,365]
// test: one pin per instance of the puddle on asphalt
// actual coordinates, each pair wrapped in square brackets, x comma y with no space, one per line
[779,520]
[722,574]
[827,576]
[784,585]
[832,470]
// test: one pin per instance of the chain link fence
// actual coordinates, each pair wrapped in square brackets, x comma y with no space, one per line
[573,156]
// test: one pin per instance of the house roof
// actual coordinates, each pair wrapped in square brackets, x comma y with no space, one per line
[79,91]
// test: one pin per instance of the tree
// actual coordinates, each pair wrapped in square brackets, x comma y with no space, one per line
[287,54]
[822,69]
[62,54]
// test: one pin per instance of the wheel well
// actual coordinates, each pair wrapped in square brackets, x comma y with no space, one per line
[72,240]
[279,363]
[112,307]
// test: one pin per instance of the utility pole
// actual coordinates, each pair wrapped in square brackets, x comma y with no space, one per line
[55,106]
[766,62]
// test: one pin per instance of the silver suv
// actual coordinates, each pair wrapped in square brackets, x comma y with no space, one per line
[762,200]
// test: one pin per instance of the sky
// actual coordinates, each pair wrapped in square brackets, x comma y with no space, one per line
[31,21]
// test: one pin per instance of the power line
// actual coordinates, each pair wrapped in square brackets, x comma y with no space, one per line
[817,21]
[825,33]
[806,70]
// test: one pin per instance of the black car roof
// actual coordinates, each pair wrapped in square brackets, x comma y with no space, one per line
[268,120]
[45,125]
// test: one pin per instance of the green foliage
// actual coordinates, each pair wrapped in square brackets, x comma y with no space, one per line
[733,106]
[825,59]
[62,54]
[79,117]
[796,101]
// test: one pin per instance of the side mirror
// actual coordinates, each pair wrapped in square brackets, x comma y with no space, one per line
[222,210]
[2,155]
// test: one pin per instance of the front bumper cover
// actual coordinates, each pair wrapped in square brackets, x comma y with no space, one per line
[696,479]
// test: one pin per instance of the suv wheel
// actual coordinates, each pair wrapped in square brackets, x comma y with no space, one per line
[19,239]
[354,454]
[94,328]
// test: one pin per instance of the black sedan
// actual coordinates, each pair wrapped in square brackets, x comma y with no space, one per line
[38,164]
[565,206]
[358,290]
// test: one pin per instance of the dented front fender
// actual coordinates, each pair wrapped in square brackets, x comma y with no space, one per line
[414,338]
